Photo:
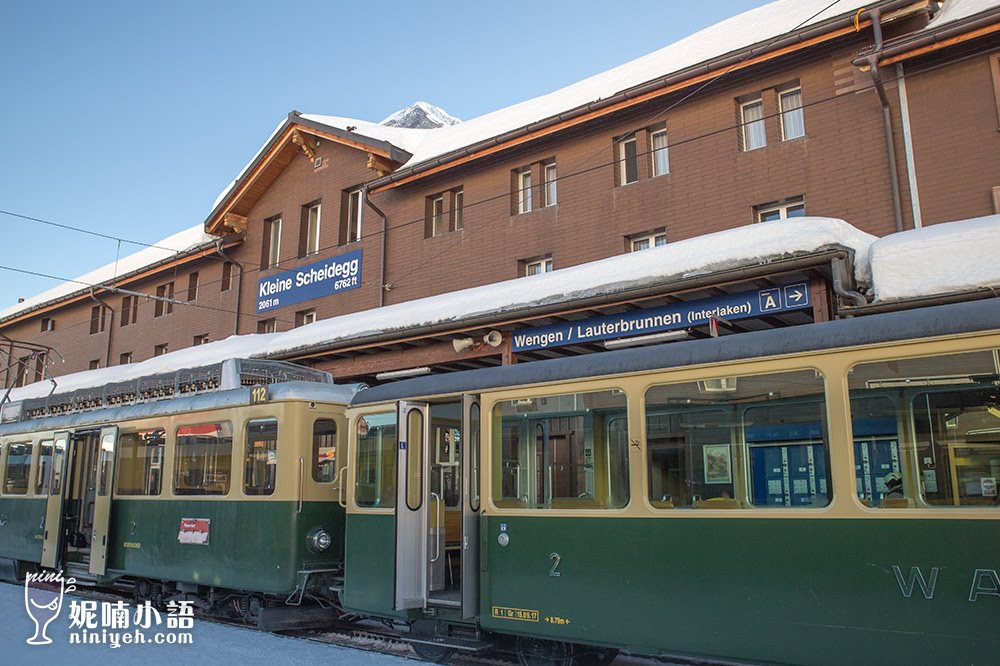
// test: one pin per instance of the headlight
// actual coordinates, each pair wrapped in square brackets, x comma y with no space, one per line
[319,540]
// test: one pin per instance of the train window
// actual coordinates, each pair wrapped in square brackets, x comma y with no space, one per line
[44,465]
[203,459]
[324,451]
[375,472]
[140,462]
[736,442]
[260,460]
[18,467]
[932,426]
[562,451]
[415,459]
[58,459]
[475,425]
[104,458]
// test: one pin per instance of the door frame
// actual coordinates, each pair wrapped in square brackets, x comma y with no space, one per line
[53,534]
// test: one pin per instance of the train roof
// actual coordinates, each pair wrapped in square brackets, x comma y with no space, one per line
[295,390]
[951,319]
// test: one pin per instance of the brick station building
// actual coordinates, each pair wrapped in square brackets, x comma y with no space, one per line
[884,114]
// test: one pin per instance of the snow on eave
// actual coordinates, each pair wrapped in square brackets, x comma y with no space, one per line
[756,27]
[937,260]
[190,240]
[959,10]
[735,248]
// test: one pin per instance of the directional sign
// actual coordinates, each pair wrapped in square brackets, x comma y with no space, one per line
[744,305]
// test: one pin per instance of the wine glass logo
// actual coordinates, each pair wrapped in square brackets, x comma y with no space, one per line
[43,598]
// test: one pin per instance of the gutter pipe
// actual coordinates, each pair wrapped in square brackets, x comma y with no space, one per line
[382,286]
[239,283]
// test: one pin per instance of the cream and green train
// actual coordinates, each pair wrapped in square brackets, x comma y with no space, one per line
[229,497]
[823,494]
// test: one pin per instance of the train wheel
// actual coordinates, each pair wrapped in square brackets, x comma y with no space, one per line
[438,654]
[539,652]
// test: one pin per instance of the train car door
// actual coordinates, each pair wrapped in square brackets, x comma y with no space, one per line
[52,544]
[102,501]
[471,427]
[412,467]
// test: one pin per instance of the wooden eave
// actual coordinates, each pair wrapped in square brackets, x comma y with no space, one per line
[269,165]
[121,281]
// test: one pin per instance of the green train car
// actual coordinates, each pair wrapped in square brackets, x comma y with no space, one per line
[822,495]
[219,484]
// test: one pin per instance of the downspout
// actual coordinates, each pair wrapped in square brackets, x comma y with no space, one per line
[890,143]
[911,167]
[239,283]
[111,325]
[382,286]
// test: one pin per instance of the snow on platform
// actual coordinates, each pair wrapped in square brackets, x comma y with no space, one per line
[939,259]
[211,643]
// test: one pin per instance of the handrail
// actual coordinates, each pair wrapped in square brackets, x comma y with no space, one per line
[301,482]
[341,500]
[437,541]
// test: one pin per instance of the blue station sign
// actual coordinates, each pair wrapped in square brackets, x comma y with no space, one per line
[322,278]
[675,317]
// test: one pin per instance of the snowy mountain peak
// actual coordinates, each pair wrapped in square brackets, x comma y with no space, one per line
[420,115]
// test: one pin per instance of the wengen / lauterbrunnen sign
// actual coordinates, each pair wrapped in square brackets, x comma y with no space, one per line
[674,317]
[322,278]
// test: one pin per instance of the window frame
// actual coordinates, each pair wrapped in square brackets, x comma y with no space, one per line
[782,207]
[651,236]
[312,231]
[757,102]
[269,490]
[524,198]
[799,110]
[624,161]
[544,263]
[655,152]
[438,227]
[353,216]
[458,211]
[176,458]
[273,256]
[550,179]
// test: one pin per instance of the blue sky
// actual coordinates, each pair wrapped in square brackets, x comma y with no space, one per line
[128,118]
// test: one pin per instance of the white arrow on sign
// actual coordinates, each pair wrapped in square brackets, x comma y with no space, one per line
[794,296]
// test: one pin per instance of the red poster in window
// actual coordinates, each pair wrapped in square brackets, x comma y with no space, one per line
[194,530]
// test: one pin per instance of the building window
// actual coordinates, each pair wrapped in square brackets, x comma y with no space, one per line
[94,365]
[352,218]
[522,183]
[160,350]
[780,210]
[193,286]
[437,215]
[130,310]
[459,209]
[303,317]
[658,141]
[97,317]
[267,325]
[628,161]
[647,240]
[48,324]
[272,242]
[537,266]
[227,276]
[164,300]
[752,121]
[309,236]
[200,339]
[549,178]
[792,121]
[124,358]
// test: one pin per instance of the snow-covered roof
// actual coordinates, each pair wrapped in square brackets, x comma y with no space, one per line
[959,10]
[746,29]
[745,246]
[939,259]
[170,246]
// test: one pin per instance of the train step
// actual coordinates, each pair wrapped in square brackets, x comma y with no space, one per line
[80,571]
